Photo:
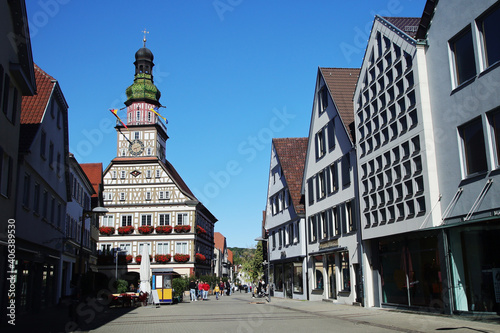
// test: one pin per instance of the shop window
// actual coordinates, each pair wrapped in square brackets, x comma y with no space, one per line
[297,278]
[463,57]
[278,278]
[344,271]
[318,272]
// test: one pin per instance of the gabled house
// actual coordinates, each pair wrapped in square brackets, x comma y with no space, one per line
[42,194]
[285,218]
[330,191]
[220,262]
[398,182]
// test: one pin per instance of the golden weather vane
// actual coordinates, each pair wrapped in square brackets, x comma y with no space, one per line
[144,40]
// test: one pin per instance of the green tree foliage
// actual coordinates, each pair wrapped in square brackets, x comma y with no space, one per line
[121,286]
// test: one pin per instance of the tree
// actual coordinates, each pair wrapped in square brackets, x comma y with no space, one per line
[256,268]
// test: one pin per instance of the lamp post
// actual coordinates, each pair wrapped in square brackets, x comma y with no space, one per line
[97,211]
[268,262]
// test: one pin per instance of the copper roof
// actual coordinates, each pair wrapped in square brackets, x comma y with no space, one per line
[409,25]
[291,153]
[342,82]
[94,174]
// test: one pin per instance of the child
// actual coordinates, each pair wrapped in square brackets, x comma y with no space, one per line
[216,291]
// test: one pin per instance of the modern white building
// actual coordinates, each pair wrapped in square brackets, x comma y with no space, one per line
[330,191]
[462,50]
[285,218]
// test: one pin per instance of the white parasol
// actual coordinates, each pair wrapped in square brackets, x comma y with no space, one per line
[145,272]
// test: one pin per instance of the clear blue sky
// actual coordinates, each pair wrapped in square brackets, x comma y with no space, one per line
[232,73]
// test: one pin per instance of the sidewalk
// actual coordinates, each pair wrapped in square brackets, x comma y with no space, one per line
[403,321]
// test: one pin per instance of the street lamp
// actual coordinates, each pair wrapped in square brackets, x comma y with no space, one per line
[268,262]
[97,211]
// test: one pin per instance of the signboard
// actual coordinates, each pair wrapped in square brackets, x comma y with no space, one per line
[332,243]
[155,298]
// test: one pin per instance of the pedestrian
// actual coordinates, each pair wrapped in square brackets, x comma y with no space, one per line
[227,287]
[216,291]
[192,290]
[206,288]
[200,290]
[221,287]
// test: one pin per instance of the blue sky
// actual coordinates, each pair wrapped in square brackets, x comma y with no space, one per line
[233,74]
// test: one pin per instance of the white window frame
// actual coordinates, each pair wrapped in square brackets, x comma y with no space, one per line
[145,218]
[108,221]
[127,223]
[163,248]
[122,196]
[123,174]
[179,247]
[160,215]
[125,247]
[184,217]
[141,245]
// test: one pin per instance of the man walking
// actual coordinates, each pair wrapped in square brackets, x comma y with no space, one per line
[192,290]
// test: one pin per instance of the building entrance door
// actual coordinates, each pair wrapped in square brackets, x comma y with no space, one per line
[332,284]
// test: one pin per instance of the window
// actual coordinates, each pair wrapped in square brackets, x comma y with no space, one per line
[164,219]
[296,237]
[108,221]
[333,178]
[473,146]
[163,195]
[313,229]
[351,221]
[463,55]
[123,174]
[113,174]
[320,185]
[6,93]
[346,170]
[122,196]
[310,190]
[51,154]
[148,173]
[162,248]
[318,272]
[36,198]
[146,219]
[181,247]
[58,166]
[52,210]
[6,173]
[274,239]
[148,195]
[489,26]
[126,220]
[323,99]
[182,219]
[26,190]
[125,247]
[344,271]
[336,216]
[141,246]
[320,144]
[107,196]
[45,203]
[158,173]
[43,144]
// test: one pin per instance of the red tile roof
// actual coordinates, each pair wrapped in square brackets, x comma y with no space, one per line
[230,256]
[219,241]
[33,107]
[342,82]
[94,174]
[409,25]
[291,154]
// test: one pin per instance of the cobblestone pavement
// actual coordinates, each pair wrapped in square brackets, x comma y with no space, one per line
[241,313]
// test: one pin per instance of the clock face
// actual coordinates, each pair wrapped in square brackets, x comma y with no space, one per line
[136,147]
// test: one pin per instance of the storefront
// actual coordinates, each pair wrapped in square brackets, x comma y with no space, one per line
[288,278]
[475,266]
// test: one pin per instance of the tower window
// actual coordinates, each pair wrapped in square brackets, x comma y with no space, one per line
[149,116]
[138,115]
[136,134]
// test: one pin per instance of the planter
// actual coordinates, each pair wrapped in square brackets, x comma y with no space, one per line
[139,258]
[106,231]
[199,257]
[182,228]
[181,257]
[145,229]
[128,258]
[126,230]
[163,229]
[200,230]
[163,258]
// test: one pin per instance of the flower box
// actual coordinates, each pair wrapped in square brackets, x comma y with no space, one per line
[106,230]
[182,228]
[200,257]
[162,258]
[181,257]
[200,230]
[163,229]
[126,230]
[145,229]
[129,258]
[139,258]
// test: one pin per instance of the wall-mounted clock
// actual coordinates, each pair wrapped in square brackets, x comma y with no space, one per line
[136,147]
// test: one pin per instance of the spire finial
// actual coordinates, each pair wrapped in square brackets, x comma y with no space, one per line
[144,39]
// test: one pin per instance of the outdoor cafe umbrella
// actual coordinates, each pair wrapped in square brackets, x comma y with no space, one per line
[145,272]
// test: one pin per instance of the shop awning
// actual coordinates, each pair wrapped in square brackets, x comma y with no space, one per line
[329,250]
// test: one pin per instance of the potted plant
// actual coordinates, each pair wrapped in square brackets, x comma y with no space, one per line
[106,230]
[199,257]
[162,258]
[182,228]
[139,258]
[163,229]
[145,229]
[181,257]
[126,230]
[129,258]
[200,230]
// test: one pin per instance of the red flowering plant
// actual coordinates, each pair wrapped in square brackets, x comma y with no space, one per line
[163,229]
[145,229]
[128,258]
[199,257]
[126,230]
[163,258]
[181,257]
[200,230]
[182,228]
[139,258]
[107,230]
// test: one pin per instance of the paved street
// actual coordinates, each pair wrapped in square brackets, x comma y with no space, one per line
[241,313]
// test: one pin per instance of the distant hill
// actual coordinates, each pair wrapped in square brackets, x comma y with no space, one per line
[241,254]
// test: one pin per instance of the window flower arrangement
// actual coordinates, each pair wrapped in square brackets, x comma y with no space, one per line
[126,230]
[139,258]
[145,229]
[128,258]
[182,228]
[107,230]
[200,230]
[163,229]
[200,257]
[181,257]
[163,258]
